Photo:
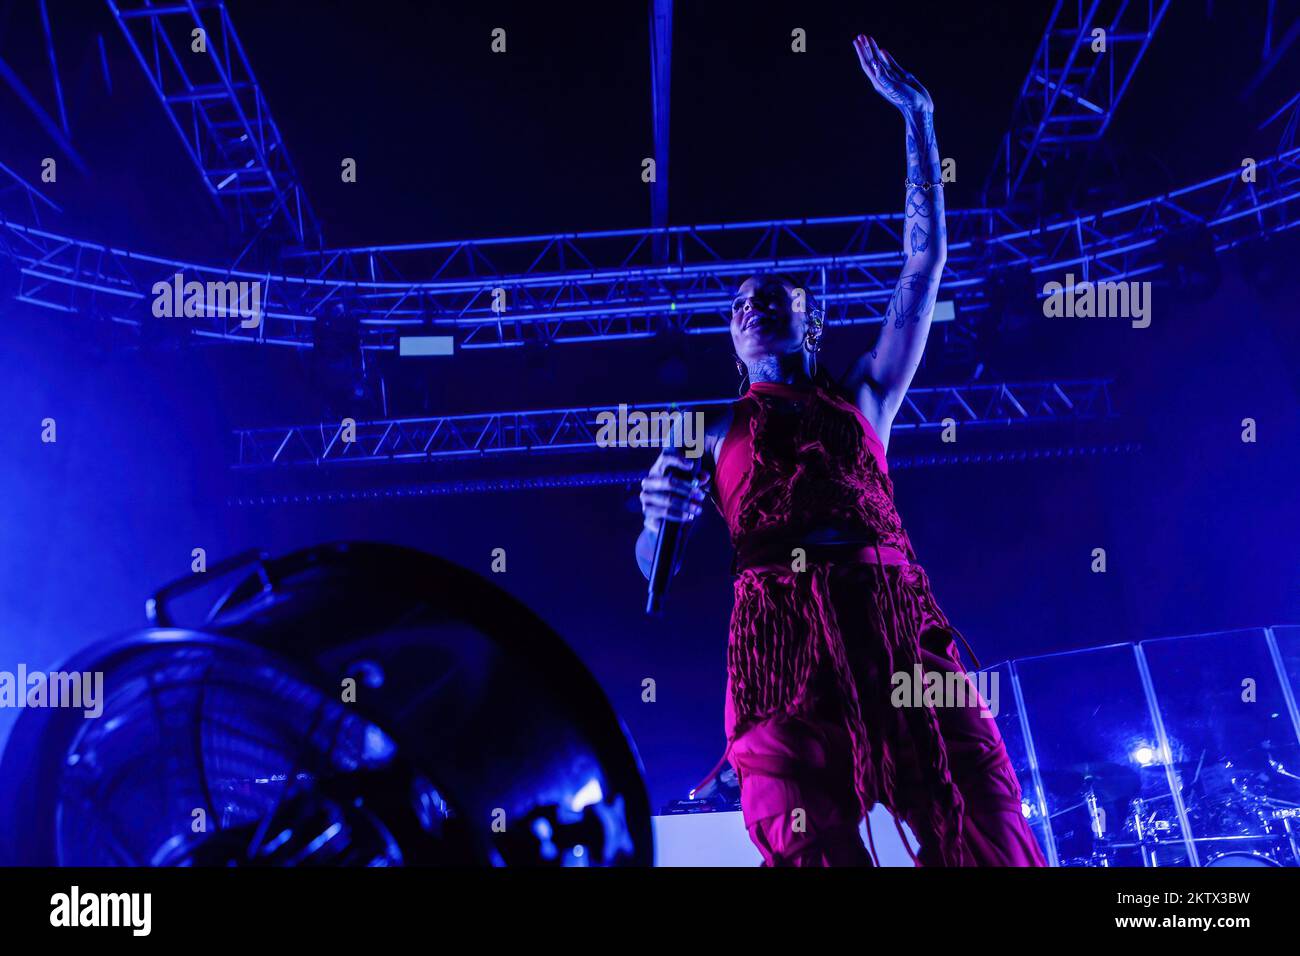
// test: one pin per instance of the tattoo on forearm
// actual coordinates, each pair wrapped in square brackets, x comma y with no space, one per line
[919,203]
[924,232]
[920,238]
[896,95]
[923,218]
[922,149]
[923,236]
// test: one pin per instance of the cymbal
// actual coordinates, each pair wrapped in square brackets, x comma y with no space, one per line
[1109,782]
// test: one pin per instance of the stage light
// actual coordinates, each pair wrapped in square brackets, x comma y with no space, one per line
[378,746]
[1191,264]
[589,794]
[1144,755]
[424,345]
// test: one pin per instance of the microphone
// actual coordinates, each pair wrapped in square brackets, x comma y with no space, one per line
[672,539]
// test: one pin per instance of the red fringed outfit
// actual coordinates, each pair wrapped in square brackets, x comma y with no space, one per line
[809,722]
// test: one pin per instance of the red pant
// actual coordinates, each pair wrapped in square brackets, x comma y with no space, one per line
[800,799]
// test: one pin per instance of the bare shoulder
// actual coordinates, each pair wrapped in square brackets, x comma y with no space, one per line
[717,422]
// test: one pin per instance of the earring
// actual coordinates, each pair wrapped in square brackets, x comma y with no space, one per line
[812,341]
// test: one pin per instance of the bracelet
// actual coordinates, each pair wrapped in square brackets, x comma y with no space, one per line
[926,186]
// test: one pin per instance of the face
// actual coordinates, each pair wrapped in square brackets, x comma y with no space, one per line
[763,320]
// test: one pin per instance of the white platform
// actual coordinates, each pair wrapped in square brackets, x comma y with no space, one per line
[720,839]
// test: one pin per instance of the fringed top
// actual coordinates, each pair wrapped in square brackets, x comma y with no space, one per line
[818,463]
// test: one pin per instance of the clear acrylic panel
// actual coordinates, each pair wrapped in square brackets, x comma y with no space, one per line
[1007,712]
[1100,760]
[1232,744]
[1287,640]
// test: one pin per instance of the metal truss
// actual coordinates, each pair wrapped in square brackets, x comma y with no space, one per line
[631,283]
[576,429]
[629,477]
[598,286]
[1281,31]
[16,191]
[1121,243]
[220,113]
[57,130]
[1071,93]
[624,283]
[661,63]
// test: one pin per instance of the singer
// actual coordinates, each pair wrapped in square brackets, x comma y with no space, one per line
[829,598]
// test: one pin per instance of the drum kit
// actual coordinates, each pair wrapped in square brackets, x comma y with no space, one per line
[1233,805]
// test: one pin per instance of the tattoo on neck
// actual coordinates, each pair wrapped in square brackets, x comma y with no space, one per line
[779,368]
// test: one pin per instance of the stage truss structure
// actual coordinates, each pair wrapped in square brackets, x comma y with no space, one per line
[603,286]
[220,113]
[609,285]
[1071,93]
[494,434]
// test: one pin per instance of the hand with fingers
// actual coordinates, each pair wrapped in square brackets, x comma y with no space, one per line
[889,79]
[672,491]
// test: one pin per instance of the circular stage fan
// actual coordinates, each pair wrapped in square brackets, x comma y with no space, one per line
[353,704]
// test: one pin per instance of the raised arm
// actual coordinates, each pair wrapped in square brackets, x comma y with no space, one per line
[880,378]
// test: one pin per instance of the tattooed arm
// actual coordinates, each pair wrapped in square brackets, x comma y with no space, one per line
[880,378]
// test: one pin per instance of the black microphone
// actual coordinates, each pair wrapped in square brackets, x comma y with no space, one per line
[672,538]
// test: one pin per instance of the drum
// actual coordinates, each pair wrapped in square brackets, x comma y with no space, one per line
[376,704]
[1239,858]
